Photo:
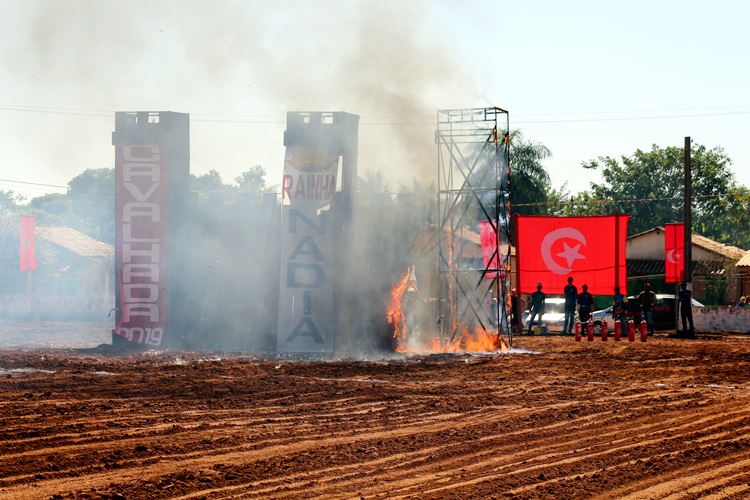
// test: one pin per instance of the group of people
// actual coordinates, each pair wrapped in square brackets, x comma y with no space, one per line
[585,301]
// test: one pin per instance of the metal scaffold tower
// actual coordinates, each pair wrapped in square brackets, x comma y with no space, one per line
[473,208]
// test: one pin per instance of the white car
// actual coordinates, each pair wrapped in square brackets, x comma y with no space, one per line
[664,315]
[553,317]
[599,317]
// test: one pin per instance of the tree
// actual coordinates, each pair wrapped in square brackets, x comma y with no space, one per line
[92,203]
[253,181]
[649,186]
[10,200]
[53,209]
[421,200]
[372,183]
[529,181]
[529,184]
[10,219]
[208,182]
[559,201]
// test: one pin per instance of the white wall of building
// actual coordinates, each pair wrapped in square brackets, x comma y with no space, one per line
[721,318]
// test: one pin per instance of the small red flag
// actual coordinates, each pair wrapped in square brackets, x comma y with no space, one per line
[590,249]
[28,260]
[674,252]
[488,238]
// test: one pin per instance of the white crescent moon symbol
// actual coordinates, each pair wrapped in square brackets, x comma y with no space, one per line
[550,239]
[670,256]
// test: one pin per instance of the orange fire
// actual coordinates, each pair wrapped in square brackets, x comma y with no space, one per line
[395,311]
[480,340]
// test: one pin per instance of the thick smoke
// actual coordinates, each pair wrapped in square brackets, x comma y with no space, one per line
[237,68]
[390,62]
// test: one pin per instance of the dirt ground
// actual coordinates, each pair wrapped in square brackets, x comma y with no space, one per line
[552,418]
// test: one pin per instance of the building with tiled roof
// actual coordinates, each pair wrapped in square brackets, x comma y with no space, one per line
[744,261]
[80,264]
[75,241]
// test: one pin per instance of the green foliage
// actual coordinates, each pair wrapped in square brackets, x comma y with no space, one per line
[372,183]
[248,182]
[559,202]
[421,202]
[252,180]
[91,199]
[649,186]
[10,200]
[10,221]
[530,184]
[209,182]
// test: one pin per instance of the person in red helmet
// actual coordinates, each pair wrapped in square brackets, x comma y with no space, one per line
[647,299]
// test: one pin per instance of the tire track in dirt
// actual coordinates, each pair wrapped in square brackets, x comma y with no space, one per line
[523,426]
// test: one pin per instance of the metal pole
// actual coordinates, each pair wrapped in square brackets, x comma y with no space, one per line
[688,243]
[688,231]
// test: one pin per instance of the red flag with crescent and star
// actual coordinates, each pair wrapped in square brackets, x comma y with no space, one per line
[590,249]
[674,252]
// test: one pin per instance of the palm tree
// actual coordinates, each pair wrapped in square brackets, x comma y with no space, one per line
[529,180]
[529,184]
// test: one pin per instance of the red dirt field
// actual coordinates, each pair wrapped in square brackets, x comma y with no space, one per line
[553,419]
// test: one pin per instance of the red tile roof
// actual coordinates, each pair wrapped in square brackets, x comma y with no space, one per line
[75,241]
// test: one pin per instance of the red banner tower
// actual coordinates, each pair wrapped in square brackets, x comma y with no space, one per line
[152,168]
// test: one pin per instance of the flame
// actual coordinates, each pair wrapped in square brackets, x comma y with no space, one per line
[464,340]
[453,268]
[395,311]
[481,340]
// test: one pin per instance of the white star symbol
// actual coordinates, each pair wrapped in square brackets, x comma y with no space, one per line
[570,254]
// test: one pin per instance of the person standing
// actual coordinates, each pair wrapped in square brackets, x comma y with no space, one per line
[685,298]
[647,299]
[537,306]
[619,303]
[585,303]
[571,294]
[516,303]
[492,309]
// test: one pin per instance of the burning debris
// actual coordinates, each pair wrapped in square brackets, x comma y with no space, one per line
[401,308]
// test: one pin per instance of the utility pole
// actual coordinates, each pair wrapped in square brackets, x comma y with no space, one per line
[687,218]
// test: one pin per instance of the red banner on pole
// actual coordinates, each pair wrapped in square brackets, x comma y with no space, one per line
[488,238]
[589,249]
[28,259]
[674,252]
[141,255]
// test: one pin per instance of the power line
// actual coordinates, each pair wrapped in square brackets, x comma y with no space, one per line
[668,110]
[279,120]
[634,200]
[34,183]
[632,118]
